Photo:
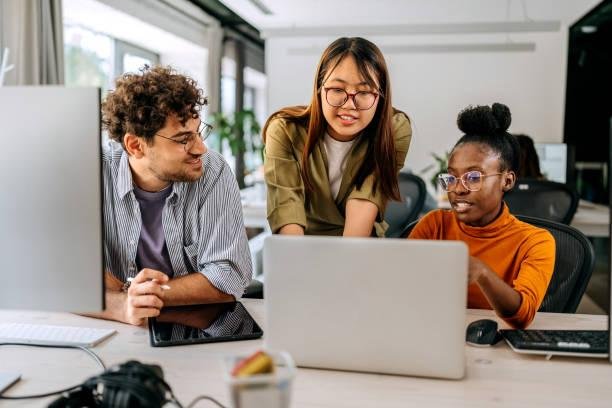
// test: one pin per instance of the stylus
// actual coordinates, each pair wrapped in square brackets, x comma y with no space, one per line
[164,287]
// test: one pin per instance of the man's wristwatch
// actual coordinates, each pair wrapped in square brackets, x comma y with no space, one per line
[126,286]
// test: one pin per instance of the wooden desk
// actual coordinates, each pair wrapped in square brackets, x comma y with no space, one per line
[496,376]
[254,206]
[593,220]
[254,214]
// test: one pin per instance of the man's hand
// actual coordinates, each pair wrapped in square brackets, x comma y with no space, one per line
[145,297]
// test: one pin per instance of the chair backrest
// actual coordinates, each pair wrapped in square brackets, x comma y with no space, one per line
[574,262]
[408,229]
[542,199]
[399,214]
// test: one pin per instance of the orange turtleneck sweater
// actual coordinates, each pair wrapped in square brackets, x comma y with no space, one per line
[519,253]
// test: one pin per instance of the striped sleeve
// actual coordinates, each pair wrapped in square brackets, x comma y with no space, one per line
[224,256]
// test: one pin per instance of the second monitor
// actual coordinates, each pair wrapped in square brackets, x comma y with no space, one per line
[50,209]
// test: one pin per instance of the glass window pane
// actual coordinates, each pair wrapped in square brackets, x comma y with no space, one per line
[88,58]
[132,63]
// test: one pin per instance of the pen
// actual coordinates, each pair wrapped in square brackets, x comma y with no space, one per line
[164,287]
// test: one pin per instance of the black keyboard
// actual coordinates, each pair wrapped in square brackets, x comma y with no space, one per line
[571,341]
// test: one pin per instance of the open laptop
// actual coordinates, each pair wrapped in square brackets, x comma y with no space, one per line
[392,306]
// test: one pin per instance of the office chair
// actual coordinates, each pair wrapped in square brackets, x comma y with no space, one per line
[542,199]
[254,290]
[574,263]
[401,213]
[408,229]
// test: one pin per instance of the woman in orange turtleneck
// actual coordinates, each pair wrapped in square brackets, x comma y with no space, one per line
[511,262]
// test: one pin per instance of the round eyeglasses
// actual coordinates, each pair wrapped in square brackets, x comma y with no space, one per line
[472,180]
[188,139]
[337,97]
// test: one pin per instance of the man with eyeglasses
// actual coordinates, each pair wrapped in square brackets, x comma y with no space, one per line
[173,226]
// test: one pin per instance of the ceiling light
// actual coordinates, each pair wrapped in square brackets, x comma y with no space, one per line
[434,48]
[419,29]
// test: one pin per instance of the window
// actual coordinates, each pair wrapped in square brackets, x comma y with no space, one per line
[254,100]
[88,58]
[130,58]
[95,59]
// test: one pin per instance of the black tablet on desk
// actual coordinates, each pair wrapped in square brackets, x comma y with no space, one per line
[208,323]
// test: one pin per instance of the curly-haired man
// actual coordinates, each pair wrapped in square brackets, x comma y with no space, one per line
[172,211]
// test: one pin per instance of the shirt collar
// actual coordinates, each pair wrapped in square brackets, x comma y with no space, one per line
[125,183]
[494,228]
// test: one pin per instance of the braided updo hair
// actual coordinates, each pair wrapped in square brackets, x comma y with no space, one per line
[488,125]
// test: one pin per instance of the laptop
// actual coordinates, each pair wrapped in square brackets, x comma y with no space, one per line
[391,306]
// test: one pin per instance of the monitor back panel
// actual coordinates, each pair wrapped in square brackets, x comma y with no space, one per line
[50,207]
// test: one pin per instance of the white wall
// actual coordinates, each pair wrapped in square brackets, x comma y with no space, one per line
[433,87]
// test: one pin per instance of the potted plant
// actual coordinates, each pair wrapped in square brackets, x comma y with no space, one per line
[241,131]
[439,166]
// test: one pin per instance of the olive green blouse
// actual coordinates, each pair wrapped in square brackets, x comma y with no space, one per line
[324,215]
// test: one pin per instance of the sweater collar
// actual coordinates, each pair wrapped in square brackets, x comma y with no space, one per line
[492,229]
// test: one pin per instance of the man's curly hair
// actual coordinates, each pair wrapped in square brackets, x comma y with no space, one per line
[142,102]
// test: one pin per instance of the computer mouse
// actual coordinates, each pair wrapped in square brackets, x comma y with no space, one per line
[482,333]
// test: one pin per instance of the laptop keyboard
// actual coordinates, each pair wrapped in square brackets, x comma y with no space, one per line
[572,341]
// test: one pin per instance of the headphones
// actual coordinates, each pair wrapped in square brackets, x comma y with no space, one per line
[131,384]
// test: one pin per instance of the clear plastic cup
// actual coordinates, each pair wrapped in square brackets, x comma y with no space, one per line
[262,390]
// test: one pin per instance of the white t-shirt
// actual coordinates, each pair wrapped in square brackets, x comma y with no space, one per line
[336,161]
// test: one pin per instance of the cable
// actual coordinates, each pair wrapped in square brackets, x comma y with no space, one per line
[205,397]
[93,355]
[124,385]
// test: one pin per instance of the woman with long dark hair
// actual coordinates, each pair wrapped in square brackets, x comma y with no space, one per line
[331,166]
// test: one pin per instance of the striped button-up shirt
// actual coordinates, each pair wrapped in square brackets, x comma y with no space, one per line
[202,223]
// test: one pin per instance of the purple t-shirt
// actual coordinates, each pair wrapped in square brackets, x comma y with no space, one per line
[152,251]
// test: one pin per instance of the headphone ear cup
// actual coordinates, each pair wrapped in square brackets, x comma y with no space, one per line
[81,397]
[130,385]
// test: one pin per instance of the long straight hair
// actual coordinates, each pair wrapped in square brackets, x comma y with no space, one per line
[380,158]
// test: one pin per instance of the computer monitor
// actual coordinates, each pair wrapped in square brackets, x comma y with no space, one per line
[553,161]
[51,247]
[610,243]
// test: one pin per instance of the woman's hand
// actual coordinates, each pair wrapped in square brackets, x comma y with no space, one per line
[501,296]
[476,269]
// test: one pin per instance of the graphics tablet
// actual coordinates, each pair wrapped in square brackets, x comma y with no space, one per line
[202,324]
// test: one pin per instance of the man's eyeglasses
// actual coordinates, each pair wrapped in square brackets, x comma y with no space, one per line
[472,180]
[188,140]
[363,100]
